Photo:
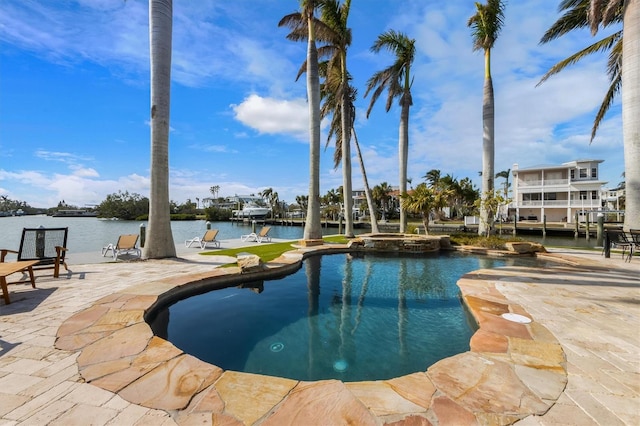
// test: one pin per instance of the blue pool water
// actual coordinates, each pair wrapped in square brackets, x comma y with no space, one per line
[348,317]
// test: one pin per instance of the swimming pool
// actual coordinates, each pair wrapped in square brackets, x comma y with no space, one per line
[349,317]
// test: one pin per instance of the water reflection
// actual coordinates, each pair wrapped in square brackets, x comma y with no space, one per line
[350,317]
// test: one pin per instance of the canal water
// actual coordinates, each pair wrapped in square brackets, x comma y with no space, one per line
[90,234]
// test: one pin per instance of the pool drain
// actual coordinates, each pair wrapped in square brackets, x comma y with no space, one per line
[277,347]
[340,365]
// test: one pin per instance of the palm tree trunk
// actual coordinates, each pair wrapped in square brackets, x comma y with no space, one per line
[367,190]
[488,130]
[159,242]
[403,153]
[347,190]
[631,112]
[313,226]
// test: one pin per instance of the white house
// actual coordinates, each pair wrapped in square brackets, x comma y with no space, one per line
[557,192]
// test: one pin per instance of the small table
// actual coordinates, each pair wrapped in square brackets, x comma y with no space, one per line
[8,268]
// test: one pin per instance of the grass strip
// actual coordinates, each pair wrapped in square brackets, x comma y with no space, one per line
[268,252]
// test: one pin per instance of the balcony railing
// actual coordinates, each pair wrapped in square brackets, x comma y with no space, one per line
[546,182]
[560,203]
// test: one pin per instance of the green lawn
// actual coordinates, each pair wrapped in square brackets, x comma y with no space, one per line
[271,251]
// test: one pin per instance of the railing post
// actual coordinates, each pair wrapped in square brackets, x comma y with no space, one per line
[600,229]
[607,245]
[587,228]
[143,234]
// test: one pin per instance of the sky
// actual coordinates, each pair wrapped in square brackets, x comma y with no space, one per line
[75,98]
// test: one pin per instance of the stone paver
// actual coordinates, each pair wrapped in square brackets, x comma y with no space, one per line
[576,363]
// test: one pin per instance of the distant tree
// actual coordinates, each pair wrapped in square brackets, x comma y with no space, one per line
[422,200]
[382,194]
[123,205]
[505,175]
[491,202]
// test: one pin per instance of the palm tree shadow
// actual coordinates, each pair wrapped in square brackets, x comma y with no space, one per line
[5,347]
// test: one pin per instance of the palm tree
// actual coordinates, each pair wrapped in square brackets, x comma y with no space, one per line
[299,22]
[397,80]
[623,70]
[367,191]
[486,25]
[159,242]
[433,177]
[331,106]
[381,193]
[576,17]
[505,175]
[421,200]
[338,38]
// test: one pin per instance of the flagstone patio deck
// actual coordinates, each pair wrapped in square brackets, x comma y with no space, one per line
[76,351]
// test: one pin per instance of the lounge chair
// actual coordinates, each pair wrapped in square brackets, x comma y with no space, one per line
[46,245]
[126,245]
[208,238]
[263,235]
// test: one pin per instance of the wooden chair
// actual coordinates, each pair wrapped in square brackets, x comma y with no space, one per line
[47,246]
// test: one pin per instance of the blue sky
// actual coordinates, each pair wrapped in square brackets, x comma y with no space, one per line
[74,98]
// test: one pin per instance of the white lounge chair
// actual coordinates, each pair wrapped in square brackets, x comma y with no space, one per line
[263,235]
[208,238]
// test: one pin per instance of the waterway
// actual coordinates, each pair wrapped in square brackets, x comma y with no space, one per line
[90,234]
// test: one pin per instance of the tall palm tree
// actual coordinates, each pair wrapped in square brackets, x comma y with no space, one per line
[367,191]
[397,80]
[159,242]
[331,106]
[624,72]
[485,28]
[338,38]
[630,101]
[303,27]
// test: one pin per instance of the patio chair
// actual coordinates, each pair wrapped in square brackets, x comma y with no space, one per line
[45,245]
[208,238]
[635,241]
[126,245]
[619,240]
[263,235]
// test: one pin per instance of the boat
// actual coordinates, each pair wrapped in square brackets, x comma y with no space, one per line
[252,211]
[74,213]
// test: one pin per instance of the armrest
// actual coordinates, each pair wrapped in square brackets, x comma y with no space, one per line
[3,253]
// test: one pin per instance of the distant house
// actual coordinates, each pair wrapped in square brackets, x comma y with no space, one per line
[557,192]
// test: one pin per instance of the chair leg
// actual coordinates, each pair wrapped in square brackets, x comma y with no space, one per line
[31,277]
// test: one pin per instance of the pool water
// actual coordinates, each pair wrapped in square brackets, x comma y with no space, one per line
[347,317]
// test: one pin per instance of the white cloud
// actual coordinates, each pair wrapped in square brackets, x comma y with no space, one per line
[274,116]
